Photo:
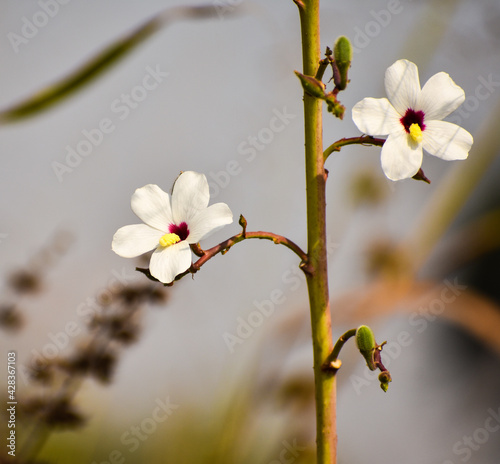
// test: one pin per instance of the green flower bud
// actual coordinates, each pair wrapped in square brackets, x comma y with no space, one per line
[311,85]
[342,53]
[365,340]
[371,351]
[384,379]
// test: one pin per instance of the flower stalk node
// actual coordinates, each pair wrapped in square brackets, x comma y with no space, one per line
[196,249]
[307,268]
[332,366]
[315,88]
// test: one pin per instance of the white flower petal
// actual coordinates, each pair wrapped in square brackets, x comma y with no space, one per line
[167,263]
[447,140]
[440,96]
[208,221]
[151,204]
[402,85]
[401,155]
[189,195]
[134,240]
[375,116]
[400,159]
[189,204]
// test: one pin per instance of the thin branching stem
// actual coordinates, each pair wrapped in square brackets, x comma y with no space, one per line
[361,140]
[333,361]
[225,246]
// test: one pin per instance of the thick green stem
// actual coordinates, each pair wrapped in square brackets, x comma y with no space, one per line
[317,281]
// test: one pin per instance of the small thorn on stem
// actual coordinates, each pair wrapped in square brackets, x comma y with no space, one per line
[146,272]
[421,176]
[243,223]
[300,4]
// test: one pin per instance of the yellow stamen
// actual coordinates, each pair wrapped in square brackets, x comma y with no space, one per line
[416,133]
[169,239]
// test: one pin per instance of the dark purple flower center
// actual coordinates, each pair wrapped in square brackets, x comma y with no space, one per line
[413,117]
[180,230]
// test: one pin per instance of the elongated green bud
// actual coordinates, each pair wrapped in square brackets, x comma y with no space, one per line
[342,53]
[371,351]
[311,85]
[365,340]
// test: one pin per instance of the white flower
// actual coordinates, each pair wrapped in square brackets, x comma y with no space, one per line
[171,224]
[412,119]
